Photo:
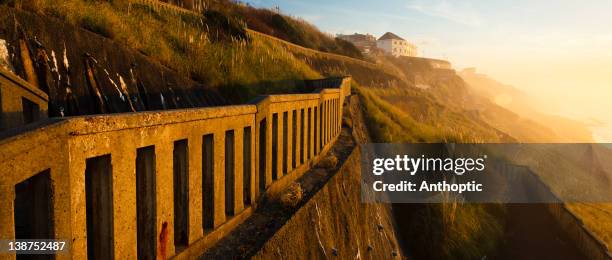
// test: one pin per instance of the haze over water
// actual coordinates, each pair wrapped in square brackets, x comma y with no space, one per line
[555,51]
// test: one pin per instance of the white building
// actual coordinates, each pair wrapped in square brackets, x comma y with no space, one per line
[395,45]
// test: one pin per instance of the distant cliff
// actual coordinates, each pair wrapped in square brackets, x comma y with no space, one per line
[561,129]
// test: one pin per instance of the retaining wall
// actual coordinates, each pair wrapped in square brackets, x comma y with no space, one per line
[161,182]
[588,243]
[334,223]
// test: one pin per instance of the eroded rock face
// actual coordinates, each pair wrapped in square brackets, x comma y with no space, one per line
[85,73]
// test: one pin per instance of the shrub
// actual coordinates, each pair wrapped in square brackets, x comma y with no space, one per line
[290,29]
[226,27]
[291,196]
[455,231]
[347,48]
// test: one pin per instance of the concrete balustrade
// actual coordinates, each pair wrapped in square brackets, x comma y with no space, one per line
[121,185]
[20,102]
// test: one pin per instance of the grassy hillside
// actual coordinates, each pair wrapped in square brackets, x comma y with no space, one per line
[213,49]
[596,216]
[560,129]
[437,231]
[69,60]
[291,29]
[396,111]
[459,96]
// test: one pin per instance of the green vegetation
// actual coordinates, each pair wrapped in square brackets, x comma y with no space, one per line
[455,231]
[295,30]
[408,115]
[213,49]
[442,113]
[389,124]
[596,216]
[450,230]
[439,231]
[97,24]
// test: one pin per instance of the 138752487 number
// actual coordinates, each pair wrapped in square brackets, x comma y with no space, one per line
[33,246]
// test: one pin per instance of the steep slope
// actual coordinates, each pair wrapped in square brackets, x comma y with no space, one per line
[451,90]
[85,73]
[176,55]
[508,97]
[211,51]
[438,111]
[292,29]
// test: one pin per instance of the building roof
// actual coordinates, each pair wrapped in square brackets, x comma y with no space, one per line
[390,36]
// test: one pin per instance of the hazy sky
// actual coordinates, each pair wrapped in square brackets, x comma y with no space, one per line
[557,51]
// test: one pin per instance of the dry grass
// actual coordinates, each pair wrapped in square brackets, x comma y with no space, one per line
[292,29]
[291,196]
[396,115]
[441,231]
[455,231]
[388,122]
[597,217]
[187,43]
[566,171]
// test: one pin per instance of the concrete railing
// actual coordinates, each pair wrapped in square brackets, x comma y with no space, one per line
[146,184]
[20,102]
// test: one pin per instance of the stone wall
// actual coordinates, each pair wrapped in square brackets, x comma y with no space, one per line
[137,167]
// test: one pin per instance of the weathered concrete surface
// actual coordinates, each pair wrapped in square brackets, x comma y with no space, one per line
[330,211]
[13,95]
[336,223]
[122,140]
[64,147]
[49,149]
